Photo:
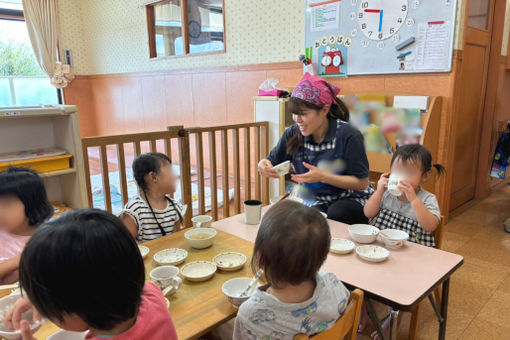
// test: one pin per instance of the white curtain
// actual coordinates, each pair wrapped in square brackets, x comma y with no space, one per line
[41,20]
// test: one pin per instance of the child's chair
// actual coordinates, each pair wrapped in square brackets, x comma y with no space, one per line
[413,325]
[346,325]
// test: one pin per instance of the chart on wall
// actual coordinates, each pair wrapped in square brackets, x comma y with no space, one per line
[353,37]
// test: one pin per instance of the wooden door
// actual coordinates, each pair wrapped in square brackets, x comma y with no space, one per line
[468,121]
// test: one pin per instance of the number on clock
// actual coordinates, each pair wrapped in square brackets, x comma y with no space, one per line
[381,19]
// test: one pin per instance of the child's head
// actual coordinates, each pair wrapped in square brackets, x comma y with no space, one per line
[154,170]
[292,243]
[414,162]
[23,199]
[83,270]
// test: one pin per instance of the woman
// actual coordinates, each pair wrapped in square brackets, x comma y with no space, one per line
[327,153]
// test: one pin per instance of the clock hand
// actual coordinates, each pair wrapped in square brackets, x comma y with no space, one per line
[380,20]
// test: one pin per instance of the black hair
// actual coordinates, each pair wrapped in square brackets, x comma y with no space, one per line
[144,165]
[28,187]
[337,110]
[415,153]
[292,243]
[84,263]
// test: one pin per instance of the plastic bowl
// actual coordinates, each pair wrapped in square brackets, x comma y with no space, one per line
[394,238]
[200,238]
[234,288]
[363,233]
[5,304]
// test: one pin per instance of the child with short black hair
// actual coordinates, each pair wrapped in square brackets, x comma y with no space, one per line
[152,213]
[24,206]
[292,244]
[83,271]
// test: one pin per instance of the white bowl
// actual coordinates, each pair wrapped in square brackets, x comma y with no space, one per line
[324,214]
[230,261]
[341,246]
[234,288]
[172,256]
[208,234]
[363,233]
[372,253]
[167,304]
[282,169]
[68,335]
[144,251]
[198,271]
[394,238]
[275,199]
[7,303]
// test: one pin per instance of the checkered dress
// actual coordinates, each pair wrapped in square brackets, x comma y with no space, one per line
[388,219]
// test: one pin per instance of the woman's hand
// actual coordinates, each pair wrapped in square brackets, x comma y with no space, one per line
[382,184]
[266,169]
[12,318]
[314,175]
[408,190]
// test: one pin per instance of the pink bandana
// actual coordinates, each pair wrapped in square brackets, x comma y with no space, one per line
[315,90]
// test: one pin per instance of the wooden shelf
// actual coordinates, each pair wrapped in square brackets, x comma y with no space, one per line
[58,173]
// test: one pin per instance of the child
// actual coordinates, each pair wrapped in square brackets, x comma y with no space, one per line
[152,214]
[23,207]
[416,211]
[83,271]
[292,243]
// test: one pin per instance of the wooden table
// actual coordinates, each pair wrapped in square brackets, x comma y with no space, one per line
[198,307]
[406,278]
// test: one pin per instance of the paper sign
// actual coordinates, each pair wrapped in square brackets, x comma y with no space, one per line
[325,15]
[433,46]
[411,102]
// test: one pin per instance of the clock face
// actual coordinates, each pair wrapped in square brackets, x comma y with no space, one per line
[381,19]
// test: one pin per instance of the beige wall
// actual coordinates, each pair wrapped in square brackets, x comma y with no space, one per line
[110,36]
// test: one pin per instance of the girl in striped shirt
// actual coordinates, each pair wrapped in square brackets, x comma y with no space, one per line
[152,213]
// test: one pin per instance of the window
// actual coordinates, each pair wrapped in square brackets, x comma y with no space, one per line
[203,33]
[22,82]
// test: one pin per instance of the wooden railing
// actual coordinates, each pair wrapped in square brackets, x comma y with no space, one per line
[135,140]
[247,144]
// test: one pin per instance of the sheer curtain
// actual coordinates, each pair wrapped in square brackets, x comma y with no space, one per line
[41,20]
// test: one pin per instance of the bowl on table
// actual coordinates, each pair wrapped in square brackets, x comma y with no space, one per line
[200,238]
[363,233]
[341,246]
[230,261]
[372,253]
[234,288]
[6,303]
[324,214]
[198,271]
[172,256]
[144,251]
[394,238]
[68,335]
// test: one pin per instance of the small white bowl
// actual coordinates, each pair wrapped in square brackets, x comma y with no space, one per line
[394,238]
[275,199]
[172,256]
[234,288]
[372,253]
[341,246]
[208,234]
[167,304]
[144,251]
[324,214]
[68,335]
[7,303]
[198,271]
[363,233]
[230,261]
[282,169]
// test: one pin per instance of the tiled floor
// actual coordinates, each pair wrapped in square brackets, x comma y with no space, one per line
[479,305]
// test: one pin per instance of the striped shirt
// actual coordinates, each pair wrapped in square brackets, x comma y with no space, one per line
[148,228]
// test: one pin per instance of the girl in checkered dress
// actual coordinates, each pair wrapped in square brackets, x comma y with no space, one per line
[416,210]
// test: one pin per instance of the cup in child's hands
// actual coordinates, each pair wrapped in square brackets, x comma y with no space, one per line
[166,276]
[394,182]
[252,211]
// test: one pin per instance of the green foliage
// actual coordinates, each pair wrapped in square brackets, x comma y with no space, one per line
[17,59]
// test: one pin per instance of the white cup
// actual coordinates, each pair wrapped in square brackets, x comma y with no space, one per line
[166,276]
[393,184]
[202,221]
[252,211]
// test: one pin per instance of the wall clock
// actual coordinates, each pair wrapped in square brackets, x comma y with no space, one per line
[381,19]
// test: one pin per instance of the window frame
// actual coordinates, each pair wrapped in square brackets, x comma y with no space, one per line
[17,15]
[149,9]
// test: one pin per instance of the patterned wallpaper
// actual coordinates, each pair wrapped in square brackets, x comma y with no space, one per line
[111,36]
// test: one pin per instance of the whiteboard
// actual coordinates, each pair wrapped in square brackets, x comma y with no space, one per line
[355,37]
